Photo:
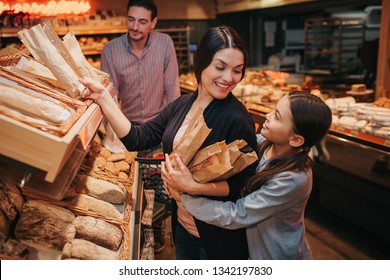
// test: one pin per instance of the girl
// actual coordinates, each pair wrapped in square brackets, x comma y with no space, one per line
[219,64]
[274,200]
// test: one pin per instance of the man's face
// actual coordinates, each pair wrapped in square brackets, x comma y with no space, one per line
[140,23]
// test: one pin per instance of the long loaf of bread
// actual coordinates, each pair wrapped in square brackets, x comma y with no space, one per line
[95,205]
[85,250]
[98,231]
[45,224]
[100,189]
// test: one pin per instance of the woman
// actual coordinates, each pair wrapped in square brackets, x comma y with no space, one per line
[219,64]
[273,204]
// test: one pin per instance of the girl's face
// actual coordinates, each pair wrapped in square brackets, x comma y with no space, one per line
[223,73]
[278,127]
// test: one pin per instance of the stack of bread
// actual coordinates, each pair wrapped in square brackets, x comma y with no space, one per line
[92,222]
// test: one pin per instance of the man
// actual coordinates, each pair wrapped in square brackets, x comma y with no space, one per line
[144,71]
[142,64]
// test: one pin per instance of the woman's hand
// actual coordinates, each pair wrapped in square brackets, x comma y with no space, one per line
[118,121]
[97,89]
[178,178]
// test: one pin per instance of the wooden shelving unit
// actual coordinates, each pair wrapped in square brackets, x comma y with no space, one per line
[332,44]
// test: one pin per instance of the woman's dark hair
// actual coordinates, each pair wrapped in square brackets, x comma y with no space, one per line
[311,120]
[147,4]
[214,40]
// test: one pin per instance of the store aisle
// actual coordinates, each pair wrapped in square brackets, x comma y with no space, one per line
[328,240]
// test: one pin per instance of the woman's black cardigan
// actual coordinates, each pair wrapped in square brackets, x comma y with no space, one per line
[229,121]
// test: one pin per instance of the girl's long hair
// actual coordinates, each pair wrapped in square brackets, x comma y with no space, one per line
[311,119]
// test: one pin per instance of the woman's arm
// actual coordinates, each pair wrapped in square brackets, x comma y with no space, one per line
[118,121]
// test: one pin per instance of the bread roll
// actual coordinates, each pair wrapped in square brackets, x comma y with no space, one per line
[122,166]
[98,232]
[116,157]
[86,250]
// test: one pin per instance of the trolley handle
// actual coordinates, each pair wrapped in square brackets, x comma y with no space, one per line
[149,160]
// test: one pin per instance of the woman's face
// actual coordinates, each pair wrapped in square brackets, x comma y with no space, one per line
[278,126]
[223,73]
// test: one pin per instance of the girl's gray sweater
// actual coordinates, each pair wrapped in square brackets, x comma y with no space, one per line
[272,215]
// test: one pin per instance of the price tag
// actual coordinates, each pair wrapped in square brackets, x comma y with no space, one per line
[340,129]
[387,142]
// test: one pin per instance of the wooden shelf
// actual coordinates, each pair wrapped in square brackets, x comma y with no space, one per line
[42,150]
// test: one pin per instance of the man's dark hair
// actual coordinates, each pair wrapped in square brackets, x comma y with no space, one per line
[147,4]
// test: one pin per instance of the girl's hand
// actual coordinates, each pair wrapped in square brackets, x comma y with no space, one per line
[177,179]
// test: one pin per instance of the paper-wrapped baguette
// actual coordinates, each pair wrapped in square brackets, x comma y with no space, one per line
[34,105]
[46,46]
[213,159]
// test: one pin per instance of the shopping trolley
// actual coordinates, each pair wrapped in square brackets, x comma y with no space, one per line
[150,172]
[150,177]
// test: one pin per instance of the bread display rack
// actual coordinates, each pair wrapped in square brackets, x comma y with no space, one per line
[43,151]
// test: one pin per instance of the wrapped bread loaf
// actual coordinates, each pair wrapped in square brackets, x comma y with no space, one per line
[45,224]
[34,105]
[85,250]
[95,205]
[100,189]
[98,231]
